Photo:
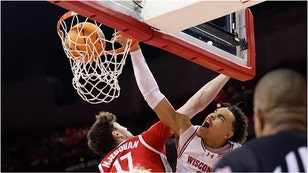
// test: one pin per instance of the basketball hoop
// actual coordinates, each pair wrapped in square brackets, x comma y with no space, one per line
[96,59]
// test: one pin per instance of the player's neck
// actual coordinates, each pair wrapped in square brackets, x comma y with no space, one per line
[214,143]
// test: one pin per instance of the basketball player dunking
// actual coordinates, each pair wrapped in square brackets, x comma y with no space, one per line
[198,147]
[123,152]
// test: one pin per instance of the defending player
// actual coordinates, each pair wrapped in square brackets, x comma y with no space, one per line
[122,151]
[199,147]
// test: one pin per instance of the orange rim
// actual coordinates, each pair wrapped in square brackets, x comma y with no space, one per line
[70,14]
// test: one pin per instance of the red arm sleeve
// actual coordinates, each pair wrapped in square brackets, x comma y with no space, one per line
[157,136]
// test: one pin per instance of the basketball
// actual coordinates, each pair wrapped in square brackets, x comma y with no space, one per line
[85,42]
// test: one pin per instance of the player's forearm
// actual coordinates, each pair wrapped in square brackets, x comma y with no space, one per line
[201,99]
[151,93]
[145,80]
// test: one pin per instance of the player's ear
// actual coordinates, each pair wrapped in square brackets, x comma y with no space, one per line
[260,118]
[229,135]
[115,134]
[259,122]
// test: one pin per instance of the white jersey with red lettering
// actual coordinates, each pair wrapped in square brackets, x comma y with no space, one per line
[195,156]
[146,151]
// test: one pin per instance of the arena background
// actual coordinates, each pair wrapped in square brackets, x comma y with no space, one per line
[43,120]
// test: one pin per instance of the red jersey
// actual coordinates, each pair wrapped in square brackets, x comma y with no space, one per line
[147,151]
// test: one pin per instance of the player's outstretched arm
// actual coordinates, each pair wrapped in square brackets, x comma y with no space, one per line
[155,99]
[202,98]
[178,121]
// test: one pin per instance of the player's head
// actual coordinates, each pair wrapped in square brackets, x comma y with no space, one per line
[225,123]
[240,125]
[280,102]
[106,133]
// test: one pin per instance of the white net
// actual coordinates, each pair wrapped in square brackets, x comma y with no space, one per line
[96,59]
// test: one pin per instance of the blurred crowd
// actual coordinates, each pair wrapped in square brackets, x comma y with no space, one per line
[53,150]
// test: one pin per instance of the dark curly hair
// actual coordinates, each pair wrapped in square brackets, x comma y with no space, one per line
[100,139]
[240,125]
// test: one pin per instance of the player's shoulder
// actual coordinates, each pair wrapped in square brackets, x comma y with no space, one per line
[189,132]
[234,145]
[239,150]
